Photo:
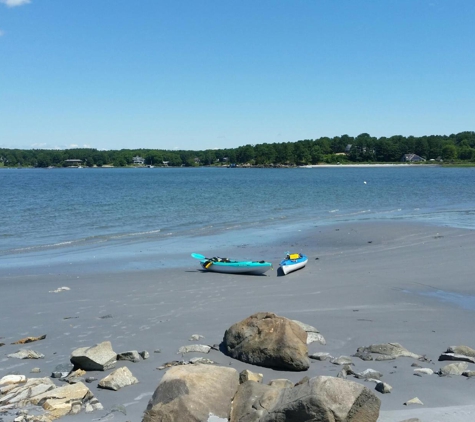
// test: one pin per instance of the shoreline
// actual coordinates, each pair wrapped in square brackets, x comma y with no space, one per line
[365,283]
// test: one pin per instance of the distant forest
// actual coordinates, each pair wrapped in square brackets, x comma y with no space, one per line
[455,148]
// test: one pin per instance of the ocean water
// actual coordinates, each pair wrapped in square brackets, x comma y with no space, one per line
[48,213]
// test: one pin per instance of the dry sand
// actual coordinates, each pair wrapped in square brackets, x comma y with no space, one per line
[365,283]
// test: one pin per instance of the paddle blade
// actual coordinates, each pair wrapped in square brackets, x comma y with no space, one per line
[198,256]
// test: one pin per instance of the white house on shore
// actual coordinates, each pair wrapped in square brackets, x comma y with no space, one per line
[411,158]
[138,160]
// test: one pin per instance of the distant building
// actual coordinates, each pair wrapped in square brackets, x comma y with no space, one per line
[73,162]
[348,148]
[411,158]
[138,160]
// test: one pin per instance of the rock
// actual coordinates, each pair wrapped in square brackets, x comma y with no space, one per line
[453,369]
[323,399]
[30,339]
[172,363]
[383,387]
[35,370]
[268,340]
[415,400]
[195,348]
[12,379]
[90,379]
[202,361]
[313,335]
[320,356]
[192,393]
[131,356]
[281,383]
[144,354]
[394,350]
[369,374]
[457,357]
[195,337]
[70,399]
[363,355]
[100,357]
[121,377]
[19,395]
[423,371]
[462,350]
[253,401]
[74,376]
[26,354]
[342,360]
[247,375]
[384,357]
[468,374]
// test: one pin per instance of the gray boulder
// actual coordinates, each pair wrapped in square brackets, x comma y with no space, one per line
[456,357]
[391,350]
[313,335]
[100,357]
[322,399]
[121,377]
[268,340]
[453,369]
[190,393]
[462,350]
[26,354]
[131,356]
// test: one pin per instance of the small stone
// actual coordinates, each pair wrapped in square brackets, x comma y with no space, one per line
[342,360]
[247,375]
[196,348]
[157,351]
[90,379]
[144,354]
[196,337]
[415,400]
[320,356]
[383,387]
[131,356]
[423,371]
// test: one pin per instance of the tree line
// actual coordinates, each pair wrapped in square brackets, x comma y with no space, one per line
[343,149]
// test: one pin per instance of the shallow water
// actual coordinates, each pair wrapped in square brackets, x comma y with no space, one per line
[54,214]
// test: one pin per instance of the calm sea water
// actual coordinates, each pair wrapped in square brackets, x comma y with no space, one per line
[45,210]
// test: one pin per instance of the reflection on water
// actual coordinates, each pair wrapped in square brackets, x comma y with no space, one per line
[462,301]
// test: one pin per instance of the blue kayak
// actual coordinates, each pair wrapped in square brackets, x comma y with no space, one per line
[293,262]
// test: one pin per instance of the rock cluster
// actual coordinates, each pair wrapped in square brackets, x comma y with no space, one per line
[199,389]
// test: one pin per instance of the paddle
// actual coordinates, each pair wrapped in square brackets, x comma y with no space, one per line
[198,256]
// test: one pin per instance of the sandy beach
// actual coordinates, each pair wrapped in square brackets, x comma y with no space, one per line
[365,283]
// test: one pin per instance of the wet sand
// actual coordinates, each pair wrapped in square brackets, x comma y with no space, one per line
[365,283]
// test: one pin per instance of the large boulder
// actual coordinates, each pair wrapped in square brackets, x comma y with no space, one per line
[268,340]
[323,399]
[190,393]
[100,357]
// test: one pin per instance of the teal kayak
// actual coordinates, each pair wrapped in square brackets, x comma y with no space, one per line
[230,266]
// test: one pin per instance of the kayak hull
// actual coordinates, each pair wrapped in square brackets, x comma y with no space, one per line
[290,265]
[236,267]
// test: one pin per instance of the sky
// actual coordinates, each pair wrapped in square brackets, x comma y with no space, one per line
[205,74]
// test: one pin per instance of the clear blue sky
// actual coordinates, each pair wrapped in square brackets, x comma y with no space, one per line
[199,74]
